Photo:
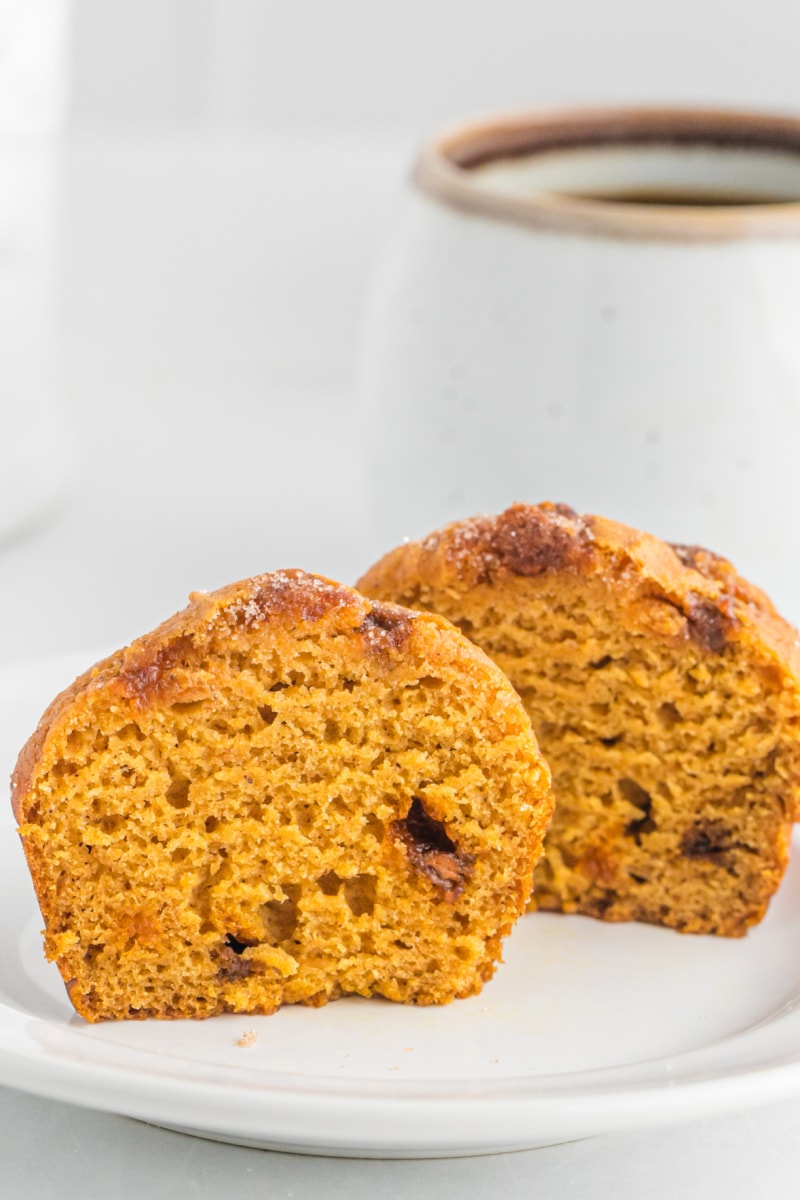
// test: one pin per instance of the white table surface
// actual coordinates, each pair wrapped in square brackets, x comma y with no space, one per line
[210,299]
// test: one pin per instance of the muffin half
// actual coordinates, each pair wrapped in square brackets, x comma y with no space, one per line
[284,794]
[665,693]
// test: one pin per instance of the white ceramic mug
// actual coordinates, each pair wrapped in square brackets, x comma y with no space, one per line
[600,308]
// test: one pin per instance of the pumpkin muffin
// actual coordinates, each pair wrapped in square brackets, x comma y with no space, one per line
[665,693]
[284,794]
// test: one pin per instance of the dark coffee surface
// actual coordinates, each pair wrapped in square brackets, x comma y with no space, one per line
[684,197]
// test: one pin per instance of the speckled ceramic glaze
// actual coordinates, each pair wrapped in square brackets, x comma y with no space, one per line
[529,336]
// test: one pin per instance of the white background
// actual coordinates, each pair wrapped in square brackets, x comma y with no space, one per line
[409,64]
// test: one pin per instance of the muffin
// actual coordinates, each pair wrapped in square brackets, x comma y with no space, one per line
[665,693]
[284,794]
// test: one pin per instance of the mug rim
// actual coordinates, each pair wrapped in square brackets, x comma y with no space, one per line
[444,170]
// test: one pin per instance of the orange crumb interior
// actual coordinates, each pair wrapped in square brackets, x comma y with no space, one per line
[297,822]
[673,768]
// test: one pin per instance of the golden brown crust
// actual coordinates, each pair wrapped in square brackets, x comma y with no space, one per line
[665,691]
[156,665]
[198,740]
[713,604]
[153,666]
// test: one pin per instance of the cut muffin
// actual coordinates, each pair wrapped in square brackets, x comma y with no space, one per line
[664,690]
[283,794]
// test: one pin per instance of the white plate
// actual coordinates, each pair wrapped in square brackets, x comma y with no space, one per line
[587,1028]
